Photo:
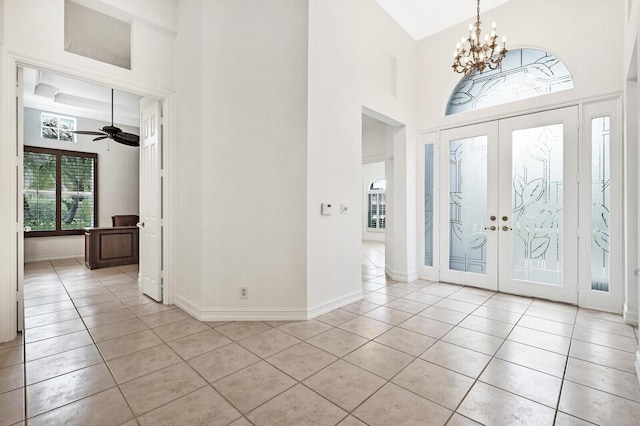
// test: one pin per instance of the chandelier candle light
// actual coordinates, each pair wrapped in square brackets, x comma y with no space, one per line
[471,55]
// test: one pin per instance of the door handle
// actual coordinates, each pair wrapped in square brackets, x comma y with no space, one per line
[505,218]
[492,218]
[506,228]
[491,228]
[140,224]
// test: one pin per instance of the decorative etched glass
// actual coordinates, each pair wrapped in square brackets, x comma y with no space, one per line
[524,73]
[600,203]
[428,205]
[537,204]
[468,204]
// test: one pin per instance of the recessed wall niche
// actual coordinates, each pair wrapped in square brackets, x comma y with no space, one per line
[97,36]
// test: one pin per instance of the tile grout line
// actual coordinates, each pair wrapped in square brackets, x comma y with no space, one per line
[387,381]
[98,350]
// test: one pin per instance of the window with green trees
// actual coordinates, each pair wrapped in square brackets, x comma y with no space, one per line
[60,196]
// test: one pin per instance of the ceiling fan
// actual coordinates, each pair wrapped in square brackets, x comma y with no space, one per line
[112,132]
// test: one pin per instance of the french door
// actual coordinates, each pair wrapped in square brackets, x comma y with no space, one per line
[509,205]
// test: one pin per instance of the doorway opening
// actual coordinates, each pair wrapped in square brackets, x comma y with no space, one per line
[58,210]
[528,205]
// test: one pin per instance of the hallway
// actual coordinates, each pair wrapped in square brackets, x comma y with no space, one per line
[96,352]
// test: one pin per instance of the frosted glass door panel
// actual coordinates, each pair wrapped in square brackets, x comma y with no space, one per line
[428,204]
[468,204]
[537,204]
[600,203]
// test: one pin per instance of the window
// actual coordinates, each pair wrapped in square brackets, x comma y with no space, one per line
[60,196]
[376,204]
[57,127]
[523,73]
[428,204]
[600,202]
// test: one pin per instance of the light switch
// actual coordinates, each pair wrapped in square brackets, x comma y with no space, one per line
[344,209]
[326,208]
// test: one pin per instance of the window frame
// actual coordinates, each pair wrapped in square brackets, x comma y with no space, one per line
[59,117]
[59,153]
[379,195]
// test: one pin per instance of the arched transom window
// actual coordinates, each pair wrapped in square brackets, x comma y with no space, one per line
[524,73]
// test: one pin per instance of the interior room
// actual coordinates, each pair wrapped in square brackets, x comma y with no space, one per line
[369,212]
[49,99]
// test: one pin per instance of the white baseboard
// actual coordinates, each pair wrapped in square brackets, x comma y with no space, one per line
[406,277]
[263,314]
[45,257]
[630,317]
[333,304]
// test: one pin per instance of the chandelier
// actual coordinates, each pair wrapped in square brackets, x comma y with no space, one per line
[471,54]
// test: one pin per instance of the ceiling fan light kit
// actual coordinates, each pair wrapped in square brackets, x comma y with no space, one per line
[112,132]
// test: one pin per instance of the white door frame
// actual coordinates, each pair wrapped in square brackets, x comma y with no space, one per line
[10,271]
[613,301]
[588,298]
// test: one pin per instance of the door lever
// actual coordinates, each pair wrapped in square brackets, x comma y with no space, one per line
[140,224]
[507,228]
[491,228]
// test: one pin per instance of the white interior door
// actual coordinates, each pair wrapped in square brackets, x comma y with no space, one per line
[150,225]
[469,205]
[538,205]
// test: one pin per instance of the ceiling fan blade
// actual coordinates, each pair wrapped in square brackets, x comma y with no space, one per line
[88,132]
[126,138]
[100,138]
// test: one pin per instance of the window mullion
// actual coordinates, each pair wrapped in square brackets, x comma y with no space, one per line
[58,193]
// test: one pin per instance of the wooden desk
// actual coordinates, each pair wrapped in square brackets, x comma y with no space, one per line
[114,246]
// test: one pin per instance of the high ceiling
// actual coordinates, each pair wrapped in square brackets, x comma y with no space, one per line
[55,93]
[422,18]
[48,91]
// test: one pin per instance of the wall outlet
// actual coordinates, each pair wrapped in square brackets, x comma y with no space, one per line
[244,292]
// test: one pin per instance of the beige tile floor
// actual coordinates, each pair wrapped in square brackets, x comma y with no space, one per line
[420,353]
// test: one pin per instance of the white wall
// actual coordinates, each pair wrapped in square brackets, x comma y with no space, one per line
[33,34]
[374,140]
[549,25]
[632,126]
[187,184]
[250,142]
[370,172]
[35,29]
[279,133]
[388,59]
[118,169]
[334,154]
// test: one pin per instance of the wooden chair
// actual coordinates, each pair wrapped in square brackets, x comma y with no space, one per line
[125,220]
